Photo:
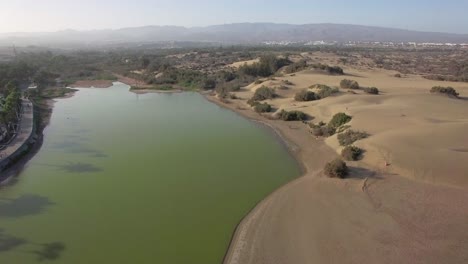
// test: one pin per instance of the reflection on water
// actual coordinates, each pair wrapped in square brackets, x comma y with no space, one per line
[24,205]
[49,251]
[9,242]
[79,167]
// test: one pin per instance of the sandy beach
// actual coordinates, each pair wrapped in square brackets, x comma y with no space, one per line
[380,214]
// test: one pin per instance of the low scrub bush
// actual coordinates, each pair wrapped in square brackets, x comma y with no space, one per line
[324,91]
[262,108]
[371,90]
[321,130]
[351,153]
[450,91]
[349,84]
[329,69]
[295,67]
[339,120]
[292,115]
[305,95]
[263,93]
[336,169]
[350,136]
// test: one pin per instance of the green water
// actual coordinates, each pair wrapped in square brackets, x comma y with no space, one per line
[125,178]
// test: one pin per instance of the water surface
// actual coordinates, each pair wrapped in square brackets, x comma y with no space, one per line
[125,178]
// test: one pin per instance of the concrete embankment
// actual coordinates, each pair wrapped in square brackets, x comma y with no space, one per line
[22,142]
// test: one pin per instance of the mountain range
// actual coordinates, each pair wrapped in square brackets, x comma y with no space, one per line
[240,33]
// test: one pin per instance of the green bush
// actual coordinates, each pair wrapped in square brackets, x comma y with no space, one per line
[350,136]
[371,90]
[349,84]
[292,115]
[263,93]
[339,120]
[262,108]
[336,169]
[450,91]
[351,153]
[305,95]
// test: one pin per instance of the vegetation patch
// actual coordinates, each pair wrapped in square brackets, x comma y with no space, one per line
[162,87]
[349,84]
[350,136]
[263,93]
[321,130]
[262,107]
[338,120]
[266,66]
[324,91]
[292,115]
[371,90]
[351,153]
[305,95]
[336,169]
[295,67]
[334,70]
[450,91]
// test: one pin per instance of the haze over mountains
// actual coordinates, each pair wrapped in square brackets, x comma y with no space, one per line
[241,33]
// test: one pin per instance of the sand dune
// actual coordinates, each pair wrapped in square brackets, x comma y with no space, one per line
[413,211]
[410,127]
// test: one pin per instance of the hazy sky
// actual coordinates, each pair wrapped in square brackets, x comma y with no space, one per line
[52,15]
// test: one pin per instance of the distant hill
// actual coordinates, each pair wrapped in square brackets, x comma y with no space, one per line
[241,33]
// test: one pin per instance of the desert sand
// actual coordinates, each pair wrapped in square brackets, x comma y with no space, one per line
[413,211]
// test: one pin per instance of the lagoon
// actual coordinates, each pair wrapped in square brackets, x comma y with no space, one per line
[127,178]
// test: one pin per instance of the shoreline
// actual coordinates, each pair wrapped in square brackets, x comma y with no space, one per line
[237,242]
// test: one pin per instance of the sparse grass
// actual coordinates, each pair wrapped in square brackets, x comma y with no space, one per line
[351,153]
[336,169]
[350,136]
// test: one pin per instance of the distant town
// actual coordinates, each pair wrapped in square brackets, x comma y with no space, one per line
[365,43]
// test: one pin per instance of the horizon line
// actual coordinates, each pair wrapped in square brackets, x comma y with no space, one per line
[224,24]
